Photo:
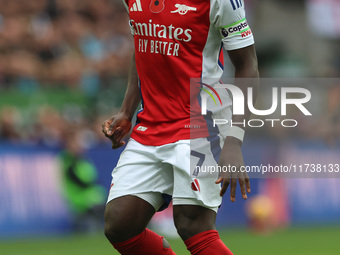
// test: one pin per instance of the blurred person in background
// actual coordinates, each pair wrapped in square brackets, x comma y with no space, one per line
[84,196]
[9,121]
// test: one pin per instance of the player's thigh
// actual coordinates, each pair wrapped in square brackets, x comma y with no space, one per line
[139,170]
[126,217]
[140,181]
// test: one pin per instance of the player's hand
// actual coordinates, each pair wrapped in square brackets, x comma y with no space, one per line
[231,155]
[116,128]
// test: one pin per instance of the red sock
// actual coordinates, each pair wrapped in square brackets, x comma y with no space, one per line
[207,243]
[146,243]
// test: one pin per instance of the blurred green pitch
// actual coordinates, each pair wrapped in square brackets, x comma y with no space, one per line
[295,241]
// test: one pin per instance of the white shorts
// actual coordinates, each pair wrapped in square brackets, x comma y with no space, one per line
[158,173]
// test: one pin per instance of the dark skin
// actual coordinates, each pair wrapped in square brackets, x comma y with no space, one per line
[246,74]
[121,222]
[126,217]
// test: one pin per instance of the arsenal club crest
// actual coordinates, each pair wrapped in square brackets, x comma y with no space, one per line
[157,6]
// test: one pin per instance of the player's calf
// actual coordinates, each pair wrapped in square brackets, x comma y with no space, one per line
[196,226]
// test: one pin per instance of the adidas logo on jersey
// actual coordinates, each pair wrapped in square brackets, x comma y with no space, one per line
[136,6]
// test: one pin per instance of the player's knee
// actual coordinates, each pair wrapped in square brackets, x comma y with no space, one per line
[185,226]
[121,220]
[112,232]
[190,221]
[184,232]
[117,230]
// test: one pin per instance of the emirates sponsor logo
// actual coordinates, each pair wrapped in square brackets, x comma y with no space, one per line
[161,31]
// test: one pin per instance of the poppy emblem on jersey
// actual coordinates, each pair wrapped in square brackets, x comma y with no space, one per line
[183,9]
[157,6]
[210,94]
[195,185]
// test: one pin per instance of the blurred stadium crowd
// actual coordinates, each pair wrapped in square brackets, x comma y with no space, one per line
[85,46]
[62,42]
[76,44]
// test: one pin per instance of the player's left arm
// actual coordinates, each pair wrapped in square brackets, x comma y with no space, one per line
[229,19]
[246,75]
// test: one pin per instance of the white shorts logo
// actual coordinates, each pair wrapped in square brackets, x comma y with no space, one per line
[183,9]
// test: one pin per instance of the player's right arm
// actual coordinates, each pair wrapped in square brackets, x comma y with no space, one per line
[119,125]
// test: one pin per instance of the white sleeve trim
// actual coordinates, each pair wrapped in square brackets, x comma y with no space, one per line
[236,44]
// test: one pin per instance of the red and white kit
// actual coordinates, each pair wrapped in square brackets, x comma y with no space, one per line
[176,41]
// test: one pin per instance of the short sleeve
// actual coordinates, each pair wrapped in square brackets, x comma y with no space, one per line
[229,18]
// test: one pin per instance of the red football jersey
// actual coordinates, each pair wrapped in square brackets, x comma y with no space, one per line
[174,42]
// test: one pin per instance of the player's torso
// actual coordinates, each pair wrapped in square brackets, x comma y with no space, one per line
[170,37]
[169,28]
